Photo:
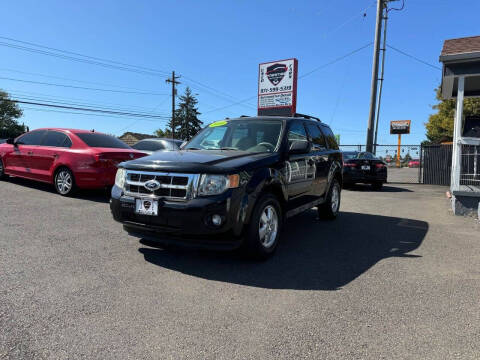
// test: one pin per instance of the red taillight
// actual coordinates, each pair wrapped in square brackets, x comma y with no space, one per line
[379,166]
[349,164]
[100,162]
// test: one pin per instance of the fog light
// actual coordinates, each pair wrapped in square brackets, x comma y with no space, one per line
[216,220]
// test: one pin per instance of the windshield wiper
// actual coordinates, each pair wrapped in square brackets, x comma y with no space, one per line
[192,148]
[228,148]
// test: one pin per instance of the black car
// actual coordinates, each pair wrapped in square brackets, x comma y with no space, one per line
[232,185]
[149,146]
[363,167]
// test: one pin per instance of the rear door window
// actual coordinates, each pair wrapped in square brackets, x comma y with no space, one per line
[32,138]
[102,141]
[56,139]
[318,140]
[331,141]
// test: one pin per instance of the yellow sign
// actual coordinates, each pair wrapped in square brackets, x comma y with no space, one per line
[218,123]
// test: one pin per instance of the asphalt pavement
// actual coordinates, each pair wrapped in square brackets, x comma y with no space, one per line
[396,276]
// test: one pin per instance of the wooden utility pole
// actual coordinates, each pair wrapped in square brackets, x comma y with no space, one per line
[373,91]
[174,82]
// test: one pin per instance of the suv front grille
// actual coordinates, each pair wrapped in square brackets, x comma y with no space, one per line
[173,186]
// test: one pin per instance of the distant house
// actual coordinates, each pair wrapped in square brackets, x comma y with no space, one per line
[131,138]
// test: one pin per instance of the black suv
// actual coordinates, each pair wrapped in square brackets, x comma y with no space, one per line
[232,185]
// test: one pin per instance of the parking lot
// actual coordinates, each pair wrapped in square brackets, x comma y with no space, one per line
[390,278]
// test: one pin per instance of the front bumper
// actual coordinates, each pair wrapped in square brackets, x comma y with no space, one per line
[185,223]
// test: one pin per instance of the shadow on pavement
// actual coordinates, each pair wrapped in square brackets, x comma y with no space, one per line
[97,195]
[314,254]
[385,188]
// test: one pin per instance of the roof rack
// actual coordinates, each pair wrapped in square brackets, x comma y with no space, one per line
[307,116]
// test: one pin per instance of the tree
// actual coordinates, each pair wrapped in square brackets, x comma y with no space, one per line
[186,116]
[440,125]
[9,113]
[167,133]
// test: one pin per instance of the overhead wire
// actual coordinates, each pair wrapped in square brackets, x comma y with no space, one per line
[83,87]
[414,57]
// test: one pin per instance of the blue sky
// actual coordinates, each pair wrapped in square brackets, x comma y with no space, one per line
[220,44]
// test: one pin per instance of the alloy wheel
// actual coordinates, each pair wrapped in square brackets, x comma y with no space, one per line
[268,226]
[335,199]
[64,182]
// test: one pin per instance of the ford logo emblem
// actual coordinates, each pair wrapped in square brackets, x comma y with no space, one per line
[152,185]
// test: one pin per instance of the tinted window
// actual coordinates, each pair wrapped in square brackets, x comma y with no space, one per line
[331,141]
[102,140]
[149,145]
[57,139]
[350,155]
[297,131]
[317,137]
[32,138]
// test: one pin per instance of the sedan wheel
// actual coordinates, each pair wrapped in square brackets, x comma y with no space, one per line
[64,183]
[2,170]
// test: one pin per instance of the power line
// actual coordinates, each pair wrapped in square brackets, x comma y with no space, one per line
[335,60]
[75,80]
[49,98]
[83,114]
[97,61]
[83,88]
[300,77]
[414,57]
[95,110]
[96,106]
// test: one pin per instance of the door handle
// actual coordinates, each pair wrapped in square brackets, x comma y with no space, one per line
[55,156]
[29,152]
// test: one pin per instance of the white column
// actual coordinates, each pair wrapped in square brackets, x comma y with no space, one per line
[457,129]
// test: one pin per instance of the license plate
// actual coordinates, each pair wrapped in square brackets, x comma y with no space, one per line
[146,207]
[365,167]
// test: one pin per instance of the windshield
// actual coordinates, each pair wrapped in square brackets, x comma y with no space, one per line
[244,135]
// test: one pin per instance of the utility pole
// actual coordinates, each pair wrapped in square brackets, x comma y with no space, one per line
[384,48]
[373,92]
[174,82]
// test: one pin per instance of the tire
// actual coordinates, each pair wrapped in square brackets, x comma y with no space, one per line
[267,219]
[377,186]
[3,176]
[330,208]
[64,182]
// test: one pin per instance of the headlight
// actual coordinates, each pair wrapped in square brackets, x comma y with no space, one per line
[216,184]
[120,178]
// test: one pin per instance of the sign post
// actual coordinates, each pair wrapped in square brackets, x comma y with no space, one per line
[399,127]
[277,88]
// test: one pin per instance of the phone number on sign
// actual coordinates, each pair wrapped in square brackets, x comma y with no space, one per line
[276,89]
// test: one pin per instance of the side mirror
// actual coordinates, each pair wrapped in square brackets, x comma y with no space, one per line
[300,147]
[11,141]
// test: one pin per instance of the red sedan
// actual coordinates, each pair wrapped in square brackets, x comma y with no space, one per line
[65,157]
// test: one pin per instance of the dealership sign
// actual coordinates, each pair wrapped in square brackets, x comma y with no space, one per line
[277,88]
[400,127]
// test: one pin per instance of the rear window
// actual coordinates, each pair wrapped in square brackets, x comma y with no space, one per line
[102,141]
[350,155]
[149,145]
[331,141]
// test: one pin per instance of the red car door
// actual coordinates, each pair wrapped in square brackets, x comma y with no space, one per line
[29,145]
[43,157]
[18,161]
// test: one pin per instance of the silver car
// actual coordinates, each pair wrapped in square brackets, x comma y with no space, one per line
[149,146]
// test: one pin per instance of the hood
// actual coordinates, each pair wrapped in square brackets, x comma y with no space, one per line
[200,161]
